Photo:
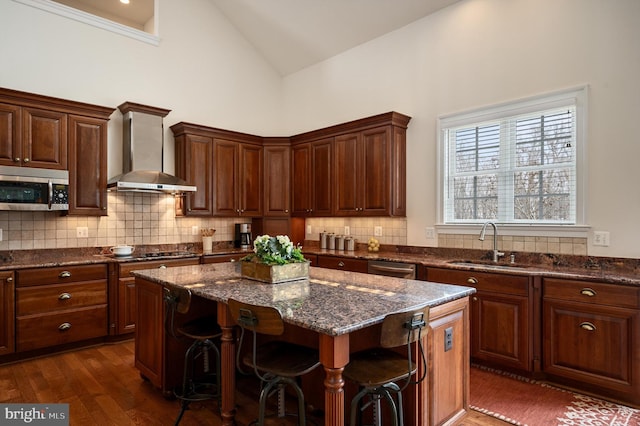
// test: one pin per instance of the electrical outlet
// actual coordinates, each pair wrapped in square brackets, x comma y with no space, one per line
[448,339]
[0,234]
[309,230]
[377,231]
[194,230]
[347,230]
[601,238]
[430,233]
[82,232]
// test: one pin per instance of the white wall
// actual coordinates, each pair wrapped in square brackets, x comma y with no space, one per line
[482,52]
[203,69]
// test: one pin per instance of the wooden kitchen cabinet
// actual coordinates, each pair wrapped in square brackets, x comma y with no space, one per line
[88,165]
[123,318]
[221,258]
[51,133]
[369,168]
[591,336]
[342,263]
[311,178]
[501,316]
[7,313]
[60,305]
[277,177]
[194,157]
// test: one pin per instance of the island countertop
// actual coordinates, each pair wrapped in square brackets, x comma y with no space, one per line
[329,302]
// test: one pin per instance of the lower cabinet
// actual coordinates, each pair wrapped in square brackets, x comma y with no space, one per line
[7,313]
[124,319]
[591,336]
[60,305]
[501,316]
[342,263]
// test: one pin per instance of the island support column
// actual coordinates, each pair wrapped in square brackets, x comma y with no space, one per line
[334,356]
[227,367]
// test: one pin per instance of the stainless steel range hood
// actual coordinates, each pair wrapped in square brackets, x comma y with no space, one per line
[143,151]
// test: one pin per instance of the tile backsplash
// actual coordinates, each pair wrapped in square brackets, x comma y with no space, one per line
[507,243]
[394,230]
[134,218]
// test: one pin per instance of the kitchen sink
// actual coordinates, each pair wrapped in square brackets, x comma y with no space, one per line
[489,265]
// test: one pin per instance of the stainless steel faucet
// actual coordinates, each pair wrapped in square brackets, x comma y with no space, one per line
[496,253]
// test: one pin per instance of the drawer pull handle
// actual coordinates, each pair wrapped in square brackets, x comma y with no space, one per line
[64,296]
[341,264]
[64,274]
[64,326]
[588,326]
[472,280]
[162,267]
[588,292]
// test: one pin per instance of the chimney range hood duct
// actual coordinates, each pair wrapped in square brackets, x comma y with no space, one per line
[142,157]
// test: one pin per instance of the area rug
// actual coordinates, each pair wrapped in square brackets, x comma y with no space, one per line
[525,402]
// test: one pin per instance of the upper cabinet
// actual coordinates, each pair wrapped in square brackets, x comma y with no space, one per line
[51,133]
[364,174]
[276,177]
[226,167]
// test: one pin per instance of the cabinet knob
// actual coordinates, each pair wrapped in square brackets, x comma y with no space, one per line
[475,299]
[341,264]
[64,326]
[587,326]
[64,274]
[588,292]
[162,267]
[17,159]
[26,160]
[9,279]
[64,296]
[472,280]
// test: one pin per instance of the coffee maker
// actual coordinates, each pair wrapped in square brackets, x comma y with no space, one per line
[243,236]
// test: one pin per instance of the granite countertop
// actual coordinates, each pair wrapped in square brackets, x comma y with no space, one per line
[329,302]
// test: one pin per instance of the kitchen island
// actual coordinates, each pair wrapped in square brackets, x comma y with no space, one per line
[341,311]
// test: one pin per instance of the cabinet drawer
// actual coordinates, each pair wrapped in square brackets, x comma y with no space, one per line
[341,263]
[60,274]
[221,258]
[485,281]
[40,331]
[126,268]
[47,298]
[589,292]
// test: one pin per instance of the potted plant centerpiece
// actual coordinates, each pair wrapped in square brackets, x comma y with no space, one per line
[274,260]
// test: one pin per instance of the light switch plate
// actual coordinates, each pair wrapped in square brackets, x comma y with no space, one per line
[82,232]
[377,231]
[601,238]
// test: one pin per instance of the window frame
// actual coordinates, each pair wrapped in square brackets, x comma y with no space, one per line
[576,96]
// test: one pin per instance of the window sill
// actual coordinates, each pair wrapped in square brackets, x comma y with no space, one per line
[571,231]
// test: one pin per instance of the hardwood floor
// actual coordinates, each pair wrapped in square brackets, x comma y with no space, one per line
[103,388]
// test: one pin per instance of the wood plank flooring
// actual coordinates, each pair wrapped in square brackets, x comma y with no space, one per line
[102,387]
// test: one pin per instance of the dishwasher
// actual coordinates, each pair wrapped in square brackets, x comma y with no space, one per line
[392,269]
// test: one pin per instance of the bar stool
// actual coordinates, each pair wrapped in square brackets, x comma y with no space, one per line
[203,332]
[377,371]
[275,363]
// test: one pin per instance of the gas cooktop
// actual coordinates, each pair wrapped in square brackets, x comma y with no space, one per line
[156,255]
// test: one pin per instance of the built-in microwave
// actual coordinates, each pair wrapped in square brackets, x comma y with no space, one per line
[29,188]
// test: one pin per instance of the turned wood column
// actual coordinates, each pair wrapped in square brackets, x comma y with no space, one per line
[227,366]
[334,355]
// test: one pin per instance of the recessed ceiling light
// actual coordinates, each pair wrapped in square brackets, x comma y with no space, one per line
[124,1]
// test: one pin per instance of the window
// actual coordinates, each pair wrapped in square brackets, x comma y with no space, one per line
[518,163]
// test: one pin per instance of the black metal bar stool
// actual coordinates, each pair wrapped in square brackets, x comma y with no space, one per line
[203,331]
[378,371]
[275,363]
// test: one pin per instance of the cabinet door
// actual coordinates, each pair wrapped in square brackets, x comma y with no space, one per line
[149,352]
[126,305]
[44,140]
[225,173]
[592,344]
[88,166]
[250,180]
[10,136]
[321,179]
[347,185]
[301,180]
[7,313]
[374,172]
[196,168]
[277,161]
[499,329]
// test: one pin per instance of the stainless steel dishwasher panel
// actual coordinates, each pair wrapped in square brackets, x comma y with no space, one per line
[392,269]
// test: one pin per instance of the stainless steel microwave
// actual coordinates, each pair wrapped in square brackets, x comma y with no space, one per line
[27,188]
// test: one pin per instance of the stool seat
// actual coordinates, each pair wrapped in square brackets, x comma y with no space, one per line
[283,359]
[201,328]
[377,367]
